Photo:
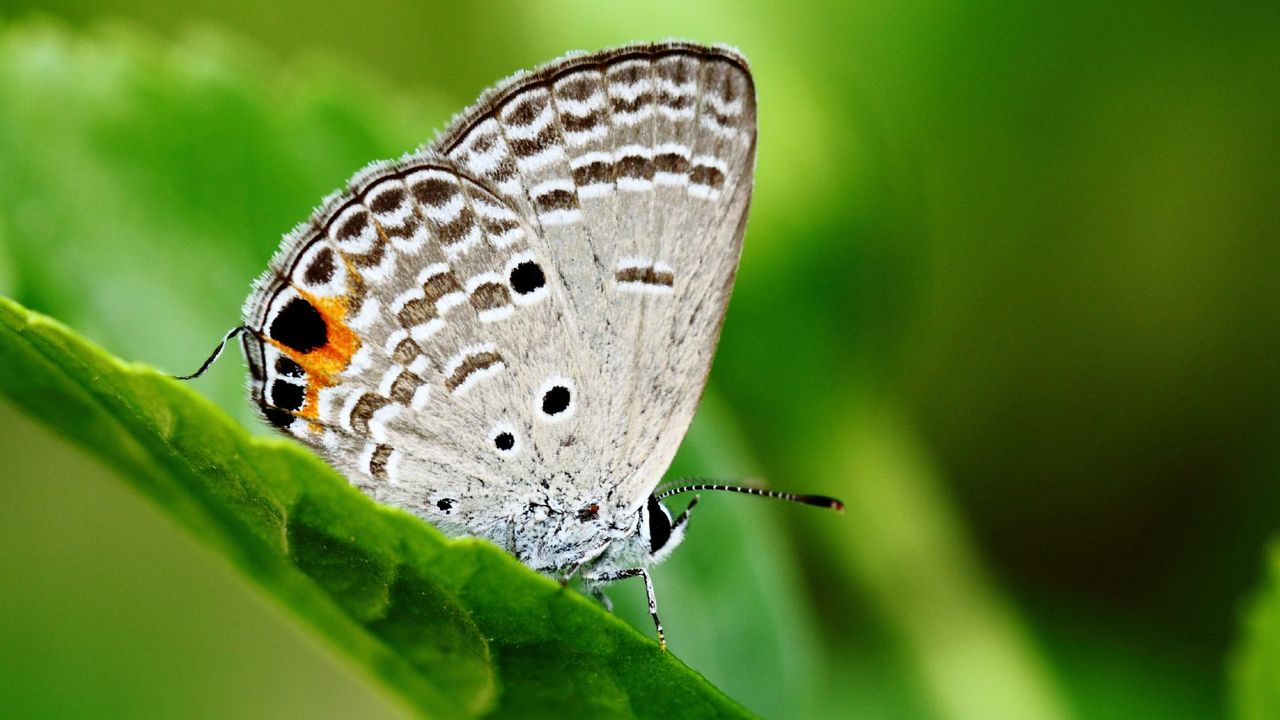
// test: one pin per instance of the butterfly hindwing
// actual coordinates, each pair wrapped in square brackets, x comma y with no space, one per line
[397,314]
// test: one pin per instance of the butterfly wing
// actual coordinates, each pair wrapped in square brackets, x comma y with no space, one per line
[635,168]
[399,332]
[516,322]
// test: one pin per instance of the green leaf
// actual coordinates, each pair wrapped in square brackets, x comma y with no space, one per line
[455,627]
[144,183]
[1255,667]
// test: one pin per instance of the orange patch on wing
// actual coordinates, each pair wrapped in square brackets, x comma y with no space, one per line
[323,364]
[311,408]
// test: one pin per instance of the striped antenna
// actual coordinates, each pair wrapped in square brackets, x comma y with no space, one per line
[815,500]
[214,355]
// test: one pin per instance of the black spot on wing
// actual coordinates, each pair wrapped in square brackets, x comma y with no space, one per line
[527,277]
[300,327]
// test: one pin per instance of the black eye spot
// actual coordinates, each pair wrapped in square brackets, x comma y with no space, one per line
[286,366]
[504,441]
[556,400]
[527,277]
[445,504]
[287,395]
[300,326]
[659,525]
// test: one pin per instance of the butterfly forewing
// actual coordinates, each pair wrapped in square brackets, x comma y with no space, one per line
[515,323]
[658,145]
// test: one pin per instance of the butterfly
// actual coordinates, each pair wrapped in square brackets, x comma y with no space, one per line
[507,331]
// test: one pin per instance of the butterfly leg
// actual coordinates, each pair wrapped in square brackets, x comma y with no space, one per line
[568,575]
[648,588]
[598,594]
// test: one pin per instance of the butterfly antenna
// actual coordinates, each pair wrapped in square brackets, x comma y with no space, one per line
[216,352]
[815,500]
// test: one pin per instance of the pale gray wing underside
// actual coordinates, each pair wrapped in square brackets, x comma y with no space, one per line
[636,168]
[519,318]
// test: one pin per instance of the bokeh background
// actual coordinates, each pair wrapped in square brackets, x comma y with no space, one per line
[1008,288]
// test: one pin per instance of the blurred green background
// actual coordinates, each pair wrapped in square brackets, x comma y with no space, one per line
[1008,288]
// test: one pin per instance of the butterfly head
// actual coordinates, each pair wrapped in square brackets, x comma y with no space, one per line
[660,534]
[656,534]
[647,538]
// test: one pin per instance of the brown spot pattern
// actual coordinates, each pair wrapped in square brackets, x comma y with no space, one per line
[728,88]
[675,102]
[634,166]
[674,163]
[528,147]
[498,226]
[558,199]
[363,411]
[582,123]
[417,312]
[434,191]
[593,173]
[439,285]
[402,231]
[578,88]
[321,268]
[352,226]
[471,364]
[627,73]
[677,69]
[405,385]
[622,105]
[707,175]
[489,296]
[457,230]
[404,352]
[724,121]
[378,461]
[482,141]
[505,170]
[525,110]
[646,275]
[387,200]
[373,257]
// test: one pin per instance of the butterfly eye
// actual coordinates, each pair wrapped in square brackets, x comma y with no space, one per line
[504,440]
[555,400]
[659,525]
